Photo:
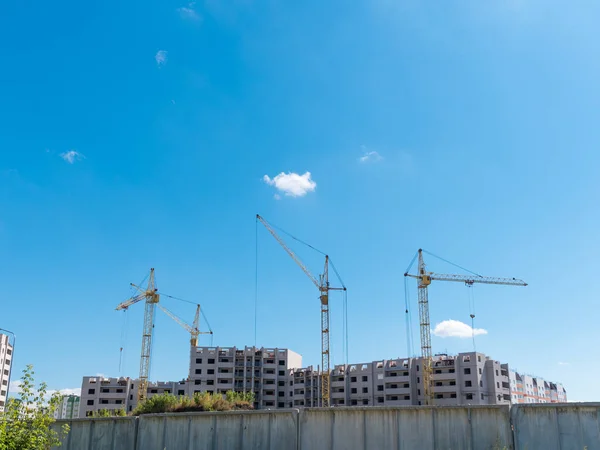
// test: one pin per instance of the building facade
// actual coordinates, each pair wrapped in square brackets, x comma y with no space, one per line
[278,380]
[6,354]
[378,383]
[111,394]
[530,389]
[466,379]
[68,407]
[268,372]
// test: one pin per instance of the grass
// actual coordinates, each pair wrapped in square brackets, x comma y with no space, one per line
[232,401]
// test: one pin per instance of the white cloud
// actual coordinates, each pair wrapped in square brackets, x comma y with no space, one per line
[71,156]
[292,184]
[560,363]
[455,328]
[369,155]
[188,12]
[277,197]
[15,387]
[161,57]
[66,391]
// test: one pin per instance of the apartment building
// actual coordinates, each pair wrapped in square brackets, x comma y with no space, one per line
[466,379]
[121,393]
[68,407]
[265,371]
[6,353]
[305,388]
[278,380]
[531,389]
[104,393]
[378,383]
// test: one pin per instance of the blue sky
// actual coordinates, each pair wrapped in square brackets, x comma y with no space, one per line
[138,134]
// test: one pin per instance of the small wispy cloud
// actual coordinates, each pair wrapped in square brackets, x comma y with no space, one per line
[456,328]
[292,184]
[189,12]
[71,156]
[15,387]
[369,155]
[560,363]
[161,58]
[66,391]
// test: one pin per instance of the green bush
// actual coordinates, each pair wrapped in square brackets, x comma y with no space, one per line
[110,413]
[156,404]
[201,401]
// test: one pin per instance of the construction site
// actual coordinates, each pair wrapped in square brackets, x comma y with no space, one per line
[279,380]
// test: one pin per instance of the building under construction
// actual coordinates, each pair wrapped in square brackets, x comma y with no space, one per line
[277,378]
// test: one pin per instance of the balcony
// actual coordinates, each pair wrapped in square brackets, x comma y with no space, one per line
[399,402]
[445,375]
[113,395]
[445,389]
[397,391]
[396,379]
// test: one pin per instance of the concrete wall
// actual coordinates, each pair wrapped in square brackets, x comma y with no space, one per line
[544,427]
[411,428]
[99,434]
[219,431]
[557,427]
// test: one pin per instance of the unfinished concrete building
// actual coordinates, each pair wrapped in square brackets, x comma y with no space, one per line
[466,379]
[265,371]
[120,393]
[278,380]
[378,383]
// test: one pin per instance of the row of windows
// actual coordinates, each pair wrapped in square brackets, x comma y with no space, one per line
[105,402]
[226,360]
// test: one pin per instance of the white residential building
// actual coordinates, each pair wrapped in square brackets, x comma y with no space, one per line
[68,407]
[6,354]
[531,389]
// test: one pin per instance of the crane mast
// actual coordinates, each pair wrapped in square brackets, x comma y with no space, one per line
[323,286]
[424,279]
[151,297]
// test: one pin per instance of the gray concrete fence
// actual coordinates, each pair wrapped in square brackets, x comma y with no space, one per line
[523,427]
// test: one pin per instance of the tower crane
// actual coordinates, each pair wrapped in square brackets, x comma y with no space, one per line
[193,329]
[424,279]
[322,284]
[151,296]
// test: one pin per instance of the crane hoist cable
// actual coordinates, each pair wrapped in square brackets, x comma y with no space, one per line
[409,347]
[424,279]
[255,280]
[324,287]
[471,295]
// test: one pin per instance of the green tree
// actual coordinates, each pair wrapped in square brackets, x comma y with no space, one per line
[25,423]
